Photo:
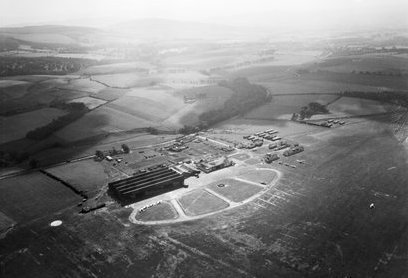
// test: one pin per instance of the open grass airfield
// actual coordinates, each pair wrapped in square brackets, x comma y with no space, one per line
[337,209]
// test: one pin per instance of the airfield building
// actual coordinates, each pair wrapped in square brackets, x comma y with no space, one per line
[130,189]
[214,165]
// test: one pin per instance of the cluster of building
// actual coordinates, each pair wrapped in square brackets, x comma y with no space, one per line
[208,166]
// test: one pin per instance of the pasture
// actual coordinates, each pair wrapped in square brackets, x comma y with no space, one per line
[31,196]
[90,102]
[87,176]
[102,120]
[348,106]
[118,68]
[16,127]
[126,80]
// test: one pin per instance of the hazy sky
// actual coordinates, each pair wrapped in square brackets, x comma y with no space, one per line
[232,12]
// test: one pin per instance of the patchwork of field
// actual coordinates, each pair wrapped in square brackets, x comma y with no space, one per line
[13,89]
[117,68]
[83,84]
[87,176]
[162,211]
[31,196]
[380,81]
[235,190]
[16,127]
[99,121]
[126,80]
[371,63]
[110,94]
[200,202]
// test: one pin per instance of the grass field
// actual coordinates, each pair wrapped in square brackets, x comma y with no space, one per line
[89,102]
[126,80]
[83,84]
[16,127]
[99,121]
[109,94]
[118,68]
[380,81]
[385,63]
[201,202]
[87,175]
[34,195]
[347,106]
[162,211]
[235,190]
[16,90]
[144,108]
[258,176]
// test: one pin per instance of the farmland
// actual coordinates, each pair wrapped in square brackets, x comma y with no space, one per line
[32,196]
[336,209]
[16,127]
[86,176]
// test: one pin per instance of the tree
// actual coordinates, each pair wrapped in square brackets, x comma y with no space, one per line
[125,148]
[99,154]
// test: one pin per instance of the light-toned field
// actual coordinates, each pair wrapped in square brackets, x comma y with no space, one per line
[282,107]
[188,115]
[45,38]
[109,94]
[83,84]
[199,202]
[148,109]
[159,95]
[126,80]
[235,190]
[118,67]
[258,176]
[305,86]
[100,121]
[8,83]
[87,175]
[286,128]
[348,106]
[375,62]
[16,127]
[89,102]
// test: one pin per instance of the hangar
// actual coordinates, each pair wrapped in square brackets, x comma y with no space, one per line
[130,189]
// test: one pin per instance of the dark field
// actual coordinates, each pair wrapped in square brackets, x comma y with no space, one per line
[162,211]
[31,196]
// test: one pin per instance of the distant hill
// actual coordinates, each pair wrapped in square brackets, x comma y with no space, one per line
[47,34]
[172,29]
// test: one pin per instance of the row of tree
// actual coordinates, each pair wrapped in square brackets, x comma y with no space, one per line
[76,111]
